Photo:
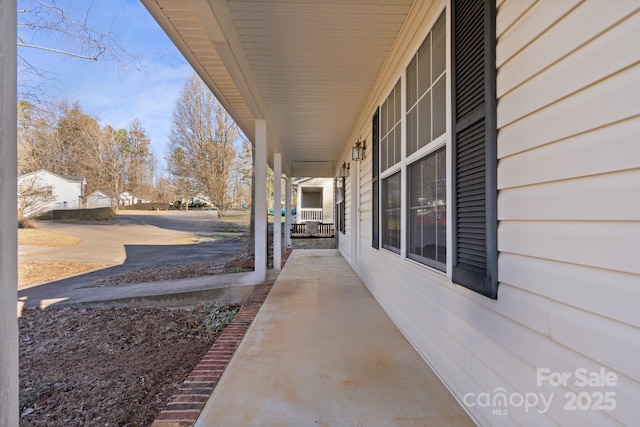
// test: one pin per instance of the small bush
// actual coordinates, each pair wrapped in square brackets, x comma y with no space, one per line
[220,315]
[26,223]
[96,214]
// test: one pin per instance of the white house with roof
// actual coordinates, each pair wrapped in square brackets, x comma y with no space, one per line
[99,199]
[494,213]
[127,198]
[315,201]
[43,191]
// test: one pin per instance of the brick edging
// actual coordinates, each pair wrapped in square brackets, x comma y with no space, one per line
[187,403]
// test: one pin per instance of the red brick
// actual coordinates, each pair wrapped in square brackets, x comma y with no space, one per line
[179,415]
[202,380]
[190,398]
[168,423]
[184,406]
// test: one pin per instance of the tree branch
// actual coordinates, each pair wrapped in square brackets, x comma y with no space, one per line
[64,52]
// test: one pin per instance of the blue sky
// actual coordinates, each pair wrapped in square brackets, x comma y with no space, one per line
[144,86]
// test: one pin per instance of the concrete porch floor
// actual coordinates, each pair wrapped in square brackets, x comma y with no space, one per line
[322,352]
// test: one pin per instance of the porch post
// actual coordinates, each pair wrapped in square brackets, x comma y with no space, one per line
[8,218]
[260,259]
[299,207]
[277,216]
[287,214]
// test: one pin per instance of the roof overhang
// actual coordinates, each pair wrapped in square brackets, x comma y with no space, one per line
[307,67]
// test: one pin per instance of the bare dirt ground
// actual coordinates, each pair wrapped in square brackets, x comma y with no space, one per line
[105,367]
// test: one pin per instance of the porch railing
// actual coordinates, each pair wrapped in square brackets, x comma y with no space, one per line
[307,214]
[323,230]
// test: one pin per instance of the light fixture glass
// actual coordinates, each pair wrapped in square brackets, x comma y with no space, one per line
[357,152]
[344,170]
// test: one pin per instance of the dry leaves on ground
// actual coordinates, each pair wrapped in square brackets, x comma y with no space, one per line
[97,367]
[165,271]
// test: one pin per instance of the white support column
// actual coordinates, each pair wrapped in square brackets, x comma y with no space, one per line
[299,207]
[260,170]
[287,215]
[8,219]
[277,216]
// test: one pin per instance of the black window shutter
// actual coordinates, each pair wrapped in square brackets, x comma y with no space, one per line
[375,184]
[475,256]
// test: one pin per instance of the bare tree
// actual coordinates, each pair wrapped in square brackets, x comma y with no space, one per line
[62,27]
[70,142]
[34,196]
[139,164]
[35,132]
[201,151]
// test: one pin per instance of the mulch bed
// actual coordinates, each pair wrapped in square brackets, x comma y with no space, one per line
[105,366]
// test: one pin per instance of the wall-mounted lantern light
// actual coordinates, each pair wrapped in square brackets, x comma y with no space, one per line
[358,150]
[344,170]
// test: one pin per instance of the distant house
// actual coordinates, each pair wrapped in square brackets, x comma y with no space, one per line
[315,199]
[99,199]
[127,199]
[43,191]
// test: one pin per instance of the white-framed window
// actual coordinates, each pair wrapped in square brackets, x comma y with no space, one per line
[390,158]
[444,185]
[426,114]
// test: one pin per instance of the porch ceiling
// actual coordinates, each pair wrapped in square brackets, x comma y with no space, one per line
[305,66]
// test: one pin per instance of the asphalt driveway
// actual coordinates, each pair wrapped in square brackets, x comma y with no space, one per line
[133,240]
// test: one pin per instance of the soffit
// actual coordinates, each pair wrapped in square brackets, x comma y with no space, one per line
[306,66]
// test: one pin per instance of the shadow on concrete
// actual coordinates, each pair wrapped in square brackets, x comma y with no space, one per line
[197,222]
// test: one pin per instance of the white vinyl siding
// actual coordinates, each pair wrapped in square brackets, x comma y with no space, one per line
[568,209]
[65,193]
[569,166]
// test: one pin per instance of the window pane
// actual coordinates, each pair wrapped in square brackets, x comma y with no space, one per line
[439,108]
[424,120]
[390,120]
[398,99]
[427,215]
[383,119]
[412,131]
[391,110]
[383,153]
[396,146]
[429,120]
[412,89]
[390,150]
[391,202]
[439,47]
[424,66]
